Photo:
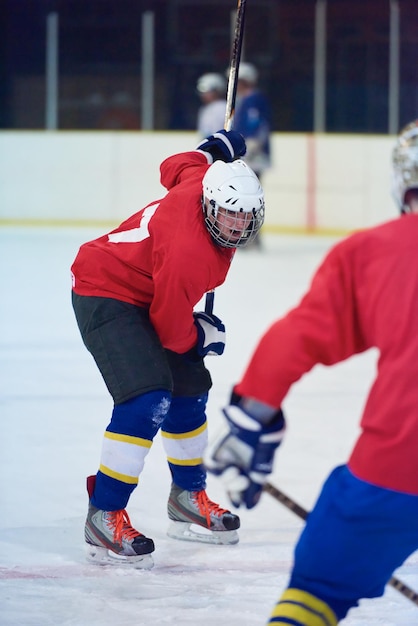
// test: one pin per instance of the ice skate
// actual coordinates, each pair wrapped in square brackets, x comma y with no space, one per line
[111,539]
[193,517]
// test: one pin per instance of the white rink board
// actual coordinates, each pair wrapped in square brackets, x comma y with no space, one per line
[94,176]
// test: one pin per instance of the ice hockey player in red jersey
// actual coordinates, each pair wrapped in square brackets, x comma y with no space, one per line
[365,521]
[134,293]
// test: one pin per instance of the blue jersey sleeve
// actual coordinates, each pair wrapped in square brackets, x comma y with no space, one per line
[252,115]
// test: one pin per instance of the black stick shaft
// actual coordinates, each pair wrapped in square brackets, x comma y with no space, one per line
[303,514]
[234,65]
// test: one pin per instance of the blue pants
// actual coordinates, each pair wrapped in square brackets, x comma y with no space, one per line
[354,539]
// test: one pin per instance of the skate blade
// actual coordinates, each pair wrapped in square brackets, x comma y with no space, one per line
[187,531]
[103,556]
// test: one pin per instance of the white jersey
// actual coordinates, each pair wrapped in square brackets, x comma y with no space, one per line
[211,117]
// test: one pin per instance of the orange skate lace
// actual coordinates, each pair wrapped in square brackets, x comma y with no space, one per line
[207,507]
[120,523]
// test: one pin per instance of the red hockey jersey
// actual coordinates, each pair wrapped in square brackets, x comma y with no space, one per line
[364,295]
[161,258]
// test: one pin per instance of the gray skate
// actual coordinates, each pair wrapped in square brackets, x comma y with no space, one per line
[193,517]
[110,539]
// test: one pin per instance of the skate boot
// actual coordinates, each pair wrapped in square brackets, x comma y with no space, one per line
[193,517]
[111,539]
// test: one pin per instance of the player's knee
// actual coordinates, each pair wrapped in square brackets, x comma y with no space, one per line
[302,609]
[186,413]
[141,416]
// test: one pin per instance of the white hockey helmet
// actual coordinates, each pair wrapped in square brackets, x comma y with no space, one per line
[248,72]
[233,203]
[405,165]
[211,82]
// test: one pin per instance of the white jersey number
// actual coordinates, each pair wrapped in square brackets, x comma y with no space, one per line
[135,235]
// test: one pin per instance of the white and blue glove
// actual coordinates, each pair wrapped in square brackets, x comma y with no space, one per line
[243,454]
[224,145]
[210,334]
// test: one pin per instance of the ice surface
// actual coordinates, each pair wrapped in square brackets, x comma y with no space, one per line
[54,408]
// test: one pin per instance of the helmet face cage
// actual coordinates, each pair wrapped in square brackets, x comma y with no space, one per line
[220,221]
[233,203]
[405,165]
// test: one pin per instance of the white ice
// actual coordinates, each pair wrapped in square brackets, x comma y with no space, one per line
[54,409]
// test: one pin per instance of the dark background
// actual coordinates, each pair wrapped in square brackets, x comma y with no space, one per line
[100,61]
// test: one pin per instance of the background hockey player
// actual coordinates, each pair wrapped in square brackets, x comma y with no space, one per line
[253,120]
[134,292]
[211,88]
[364,524]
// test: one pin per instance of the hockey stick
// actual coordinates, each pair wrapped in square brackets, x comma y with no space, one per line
[231,96]
[277,494]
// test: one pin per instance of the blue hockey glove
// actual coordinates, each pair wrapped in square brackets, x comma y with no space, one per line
[210,334]
[242,455]
[224,145]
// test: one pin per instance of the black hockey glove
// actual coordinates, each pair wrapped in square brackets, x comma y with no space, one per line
[242,455]
[210,334]
[224,145]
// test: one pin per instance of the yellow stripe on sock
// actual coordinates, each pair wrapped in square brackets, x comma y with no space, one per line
[304,608]
[124,478]
[190,433]
[136,441]
[185,461]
